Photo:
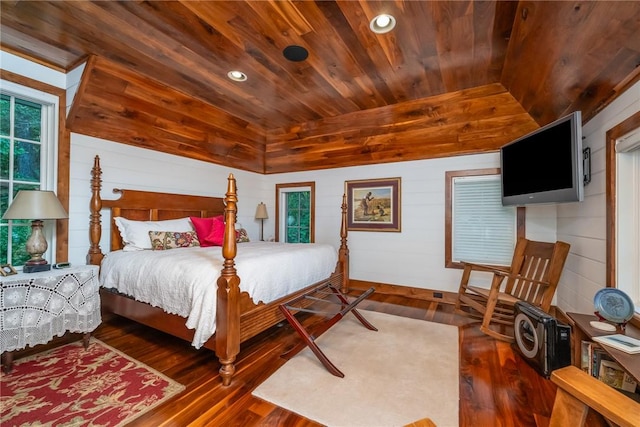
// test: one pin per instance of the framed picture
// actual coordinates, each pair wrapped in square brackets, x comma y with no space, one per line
[373,204]
[621,342]
[7,270]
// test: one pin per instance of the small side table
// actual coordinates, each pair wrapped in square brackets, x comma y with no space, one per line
[35,307]
[584,331]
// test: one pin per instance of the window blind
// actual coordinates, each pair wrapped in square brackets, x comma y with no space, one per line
[483,230]
[629,142]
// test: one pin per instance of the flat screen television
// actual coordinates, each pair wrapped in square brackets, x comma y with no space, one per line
[544,166]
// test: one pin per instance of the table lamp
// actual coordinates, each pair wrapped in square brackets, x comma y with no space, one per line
[30,204]
[261,214]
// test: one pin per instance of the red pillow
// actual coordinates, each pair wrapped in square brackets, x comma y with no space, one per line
[216,237]
[204,228]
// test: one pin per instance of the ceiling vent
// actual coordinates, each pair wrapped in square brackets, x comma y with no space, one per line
[295,53]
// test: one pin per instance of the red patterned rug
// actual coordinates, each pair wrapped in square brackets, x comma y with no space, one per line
[72,386]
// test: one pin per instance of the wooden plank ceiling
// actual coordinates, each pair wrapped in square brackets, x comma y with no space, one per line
[451,78]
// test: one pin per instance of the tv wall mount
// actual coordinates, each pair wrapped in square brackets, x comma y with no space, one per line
[586,165]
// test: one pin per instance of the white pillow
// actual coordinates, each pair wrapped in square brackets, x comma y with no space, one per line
[135,234]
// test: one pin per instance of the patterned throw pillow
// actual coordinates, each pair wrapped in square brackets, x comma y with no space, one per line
[242,236]
[135,234]
[162,240]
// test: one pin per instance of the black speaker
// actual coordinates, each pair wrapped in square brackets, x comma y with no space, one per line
[540,339]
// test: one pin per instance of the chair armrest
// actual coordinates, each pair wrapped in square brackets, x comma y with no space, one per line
[520,277]
[501,271]
[584,390]
[484,267]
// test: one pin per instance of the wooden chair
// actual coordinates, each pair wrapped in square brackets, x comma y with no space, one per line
[533,277]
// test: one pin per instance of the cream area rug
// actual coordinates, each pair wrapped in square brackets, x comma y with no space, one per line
[405,371]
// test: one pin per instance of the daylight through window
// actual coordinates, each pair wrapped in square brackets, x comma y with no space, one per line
[478,228]
[27,129]
[295,212]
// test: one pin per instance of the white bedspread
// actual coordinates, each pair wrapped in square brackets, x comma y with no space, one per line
[186,282]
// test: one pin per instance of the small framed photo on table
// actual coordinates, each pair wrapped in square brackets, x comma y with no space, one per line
[7,270]
[373,204]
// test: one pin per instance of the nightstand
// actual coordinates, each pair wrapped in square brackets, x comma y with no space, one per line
[35,307]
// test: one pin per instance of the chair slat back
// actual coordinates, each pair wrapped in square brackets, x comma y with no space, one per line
[535,262]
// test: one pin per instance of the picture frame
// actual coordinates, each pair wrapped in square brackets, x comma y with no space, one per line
[373,204]
[621,342]
[7,270]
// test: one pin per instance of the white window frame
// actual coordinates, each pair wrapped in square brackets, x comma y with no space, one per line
[628,215]
[281,208]
[48,147]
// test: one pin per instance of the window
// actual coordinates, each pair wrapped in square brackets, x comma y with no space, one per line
[28,129]
[295,210]
[628,215]
[477,227]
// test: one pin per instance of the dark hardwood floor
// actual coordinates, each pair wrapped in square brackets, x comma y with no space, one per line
[497,388]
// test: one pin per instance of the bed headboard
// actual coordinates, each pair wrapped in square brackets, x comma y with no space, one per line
[145,206]
[152,206]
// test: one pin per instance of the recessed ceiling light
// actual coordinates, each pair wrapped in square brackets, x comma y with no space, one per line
[237,76]
[382,23]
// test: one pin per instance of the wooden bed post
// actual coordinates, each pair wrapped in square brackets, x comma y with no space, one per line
[343,252]
[228,309]
[95,255]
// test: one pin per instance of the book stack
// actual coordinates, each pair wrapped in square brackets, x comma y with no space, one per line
[597,363]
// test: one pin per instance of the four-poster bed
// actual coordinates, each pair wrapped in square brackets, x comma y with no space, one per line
[237,316]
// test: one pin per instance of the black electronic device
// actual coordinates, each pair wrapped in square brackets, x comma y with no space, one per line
[544,166]
[542,341]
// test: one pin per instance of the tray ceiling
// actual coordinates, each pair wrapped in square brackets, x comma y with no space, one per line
[451,78]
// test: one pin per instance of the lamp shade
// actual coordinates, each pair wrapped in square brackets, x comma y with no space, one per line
[35,204]
[261,211]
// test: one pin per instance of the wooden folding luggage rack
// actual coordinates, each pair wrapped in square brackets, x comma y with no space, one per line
[319,295]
